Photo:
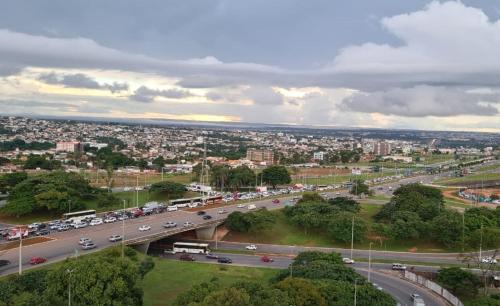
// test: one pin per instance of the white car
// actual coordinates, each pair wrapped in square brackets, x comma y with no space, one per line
[127,189]
[251,207]
[240,205]
[187,224]
[143,228]
[110,220]
[347,260]
[489,260]
[84,240]
[222,211]
[80,225]
[96,221]
[114,238]
[251,247]
[34,225]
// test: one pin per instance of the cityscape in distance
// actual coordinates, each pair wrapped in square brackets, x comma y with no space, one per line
[245,153]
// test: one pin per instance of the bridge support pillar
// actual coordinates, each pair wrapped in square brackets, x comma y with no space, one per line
[143,247]
[205,233]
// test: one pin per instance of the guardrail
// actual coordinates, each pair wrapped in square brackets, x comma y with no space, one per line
[170,232]
[434,287]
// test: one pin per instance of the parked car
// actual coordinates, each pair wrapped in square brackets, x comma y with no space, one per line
[143,228]
[276,201]
[84,240]
[169,224]
[224,260]
[211,256]
[207,217]
[123,217]
[251,207]
[34,225]
[4,262]
[63,227]
[96,221]
[115,238]
[187,224]
[110,220]
[251,247]
[489,260]
[240,205]
[200,213]
[79,225]
[37,260]
[222,211]
[398,266]
[172,208]
[347,260]
[266,259]
[42,232]
[187,257]
[88,246]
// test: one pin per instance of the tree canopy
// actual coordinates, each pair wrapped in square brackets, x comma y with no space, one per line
[276,175]
[171,189]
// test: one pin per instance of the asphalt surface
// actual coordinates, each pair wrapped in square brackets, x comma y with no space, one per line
[381,274]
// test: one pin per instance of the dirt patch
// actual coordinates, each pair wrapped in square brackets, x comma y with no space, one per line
[452,194]
[29,241]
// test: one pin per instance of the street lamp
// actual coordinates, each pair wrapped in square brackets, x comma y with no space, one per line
[370,261]
[20,251]
[69,285]
[123,229]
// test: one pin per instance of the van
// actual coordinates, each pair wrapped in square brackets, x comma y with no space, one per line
[172,208]
[251,207]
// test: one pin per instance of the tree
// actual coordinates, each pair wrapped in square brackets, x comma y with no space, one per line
[345,204]
[159,161]
[406,225]
[107,200]
[340,227]
[310,256]
[459,281]
[237,221]
[197,293]
[359,187]
[170,189]
[142,164]
[42,162]
[227,297]
[254,222]
[303,292]
[447,228]
[240,176]
[10,180]
[276,175]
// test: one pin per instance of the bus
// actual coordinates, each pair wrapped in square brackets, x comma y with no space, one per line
[190,247]
[216,199]
[79,216]
[185,202]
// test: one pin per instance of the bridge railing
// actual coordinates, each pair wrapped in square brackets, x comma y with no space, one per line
[434,287]
[170,232]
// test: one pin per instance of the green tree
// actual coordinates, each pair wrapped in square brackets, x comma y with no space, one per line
[276,175]
[237,221]
[340,227]
[447,228]
[170,189]
[107,200]
[310,256]
[159,162]
[241,176]
[459,281]
[227,297]
[359,187]
[345,204]
[197,293]
[10,180]
[303,292]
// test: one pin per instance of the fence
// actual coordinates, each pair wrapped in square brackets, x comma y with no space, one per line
[434,287]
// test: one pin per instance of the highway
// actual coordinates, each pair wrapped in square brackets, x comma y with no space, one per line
[381,274]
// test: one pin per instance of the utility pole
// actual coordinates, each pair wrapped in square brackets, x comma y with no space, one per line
[69,206]
[123,230]
[355,293]
[352,235]
[137,191]
[20,251]
[463,231]
[481,245]
[69,286]
[370,262]
[216,247]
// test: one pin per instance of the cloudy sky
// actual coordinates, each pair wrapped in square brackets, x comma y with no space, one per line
[378,63]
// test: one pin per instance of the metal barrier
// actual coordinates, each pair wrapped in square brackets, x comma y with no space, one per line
[434,287]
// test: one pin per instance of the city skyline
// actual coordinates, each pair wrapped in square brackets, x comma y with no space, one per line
[427,65]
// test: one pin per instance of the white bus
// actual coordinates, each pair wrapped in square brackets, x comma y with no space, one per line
[79,216]
[189,247]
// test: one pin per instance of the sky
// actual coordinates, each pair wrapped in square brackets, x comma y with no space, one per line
[415,64]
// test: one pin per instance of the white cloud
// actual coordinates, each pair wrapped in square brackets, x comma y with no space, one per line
[145,94]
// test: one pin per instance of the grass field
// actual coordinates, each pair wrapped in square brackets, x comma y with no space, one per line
[170,278]
[133,179]
[474,178]
[338,179]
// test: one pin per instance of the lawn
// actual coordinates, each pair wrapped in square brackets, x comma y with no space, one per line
[342,178]
[474,178]
[170,278]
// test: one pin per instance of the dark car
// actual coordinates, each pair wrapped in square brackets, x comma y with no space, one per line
[266,259]
[42,232]
[211,256]
[186,257]
[4,262]
[207,217]
[224,260]
[201,213]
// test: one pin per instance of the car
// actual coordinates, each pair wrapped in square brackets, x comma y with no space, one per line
[88,246]
[110,220]
[398,266]
[377,287]
[79,225]
[96,221]
[224,260]
[266,259]
[251,247]
[42,232]
[207,217]
[251,207]
[222,211]
[415,296]
[187,224]
[37,260]
[143,228]
[337,193]
[4,262]
[201,213]
[84,240]
[347,260]
[122,217]
[489,260]
[63,227]
[240,206]
[34,225]
[55,227]
[115,238]
[276,201]
[169,224]
[172,208]
[211,256]
[186,257]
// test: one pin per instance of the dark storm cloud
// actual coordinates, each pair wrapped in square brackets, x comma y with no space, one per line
[145,94]
[80,80]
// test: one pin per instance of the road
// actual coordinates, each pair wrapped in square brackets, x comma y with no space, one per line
[381,274]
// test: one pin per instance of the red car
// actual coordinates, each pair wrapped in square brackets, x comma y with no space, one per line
[266,259]
[37,260]
[186,257]
[276,201]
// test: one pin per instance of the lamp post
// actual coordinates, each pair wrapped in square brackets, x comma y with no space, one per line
[352,236]
[69,286]
[355,293]
[123,230]
[370,261]
[20,251]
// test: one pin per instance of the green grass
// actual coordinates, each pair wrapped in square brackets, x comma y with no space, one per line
[470,178]
[457,204]
[169,278]
[338,179]
[379,197]
[28,219]
[488,168]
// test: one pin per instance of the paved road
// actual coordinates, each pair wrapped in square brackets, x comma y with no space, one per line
[381,274]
